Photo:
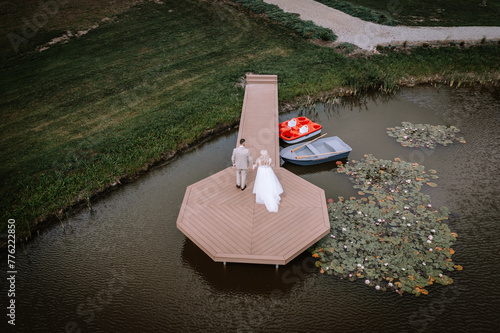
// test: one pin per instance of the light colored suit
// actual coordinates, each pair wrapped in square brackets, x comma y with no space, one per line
[241,160]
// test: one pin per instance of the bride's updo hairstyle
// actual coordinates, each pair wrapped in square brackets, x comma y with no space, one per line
[264,157]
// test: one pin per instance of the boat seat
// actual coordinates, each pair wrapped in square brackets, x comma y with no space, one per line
[292,123]
[335,146]
[304,129]
[313,149]
[330,147]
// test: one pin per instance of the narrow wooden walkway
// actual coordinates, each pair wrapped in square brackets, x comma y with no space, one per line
[227,224]
[259,116]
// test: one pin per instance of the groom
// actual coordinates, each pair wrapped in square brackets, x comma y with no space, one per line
[241,160]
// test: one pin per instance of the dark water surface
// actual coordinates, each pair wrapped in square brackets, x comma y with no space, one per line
[124,266]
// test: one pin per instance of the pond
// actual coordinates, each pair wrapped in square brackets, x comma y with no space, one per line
[124,267]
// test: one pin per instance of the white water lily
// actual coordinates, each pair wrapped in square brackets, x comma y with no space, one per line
[424,264]
[430,250]
[385,264]
[362,267]
[440,275]
[344,229]
[404,269]
[359,265]
[408,224]
[345,246]
[390,284]
[367,281]
[433,230]
[430,237]
[429,241]
[377,287]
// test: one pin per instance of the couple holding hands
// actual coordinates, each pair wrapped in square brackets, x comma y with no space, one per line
[267,188]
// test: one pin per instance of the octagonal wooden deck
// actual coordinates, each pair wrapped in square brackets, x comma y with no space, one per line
[227,224]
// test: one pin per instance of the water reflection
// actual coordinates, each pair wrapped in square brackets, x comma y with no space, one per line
[248,278]
[304,170]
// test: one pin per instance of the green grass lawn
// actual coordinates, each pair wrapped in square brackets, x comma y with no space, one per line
[81,115]
[423,12]
[52,18]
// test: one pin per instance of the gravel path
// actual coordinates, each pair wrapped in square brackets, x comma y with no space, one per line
[367,35]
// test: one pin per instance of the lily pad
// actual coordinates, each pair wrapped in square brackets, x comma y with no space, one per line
[393,237]
[424,135]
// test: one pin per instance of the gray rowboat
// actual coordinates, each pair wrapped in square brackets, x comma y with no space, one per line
[316,151]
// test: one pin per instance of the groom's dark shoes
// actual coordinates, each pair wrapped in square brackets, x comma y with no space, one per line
[243,188]
[238,186]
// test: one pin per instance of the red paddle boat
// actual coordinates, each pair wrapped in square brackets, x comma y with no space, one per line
[298,129]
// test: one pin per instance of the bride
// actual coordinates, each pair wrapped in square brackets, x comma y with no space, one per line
[267,187]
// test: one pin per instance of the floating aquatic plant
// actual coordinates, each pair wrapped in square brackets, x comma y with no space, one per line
[392,237]
[424,135]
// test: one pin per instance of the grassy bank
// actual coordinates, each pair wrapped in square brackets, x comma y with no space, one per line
[80,116]
[446,13]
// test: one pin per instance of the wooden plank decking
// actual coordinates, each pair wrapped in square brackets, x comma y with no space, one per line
[259,116]
[227,224]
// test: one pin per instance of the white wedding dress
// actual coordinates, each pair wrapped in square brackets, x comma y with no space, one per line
[267,188]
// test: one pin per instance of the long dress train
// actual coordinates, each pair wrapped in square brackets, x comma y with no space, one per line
[267,188]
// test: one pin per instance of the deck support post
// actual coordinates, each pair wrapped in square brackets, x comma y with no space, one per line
[277,266]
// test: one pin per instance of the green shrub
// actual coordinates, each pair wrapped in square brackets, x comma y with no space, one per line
[306,29]
[363,13]
[346,48]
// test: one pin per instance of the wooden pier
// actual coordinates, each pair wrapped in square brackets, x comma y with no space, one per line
[227,224]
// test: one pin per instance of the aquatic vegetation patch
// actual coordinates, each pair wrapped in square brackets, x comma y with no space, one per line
[392,237]
[424,135]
